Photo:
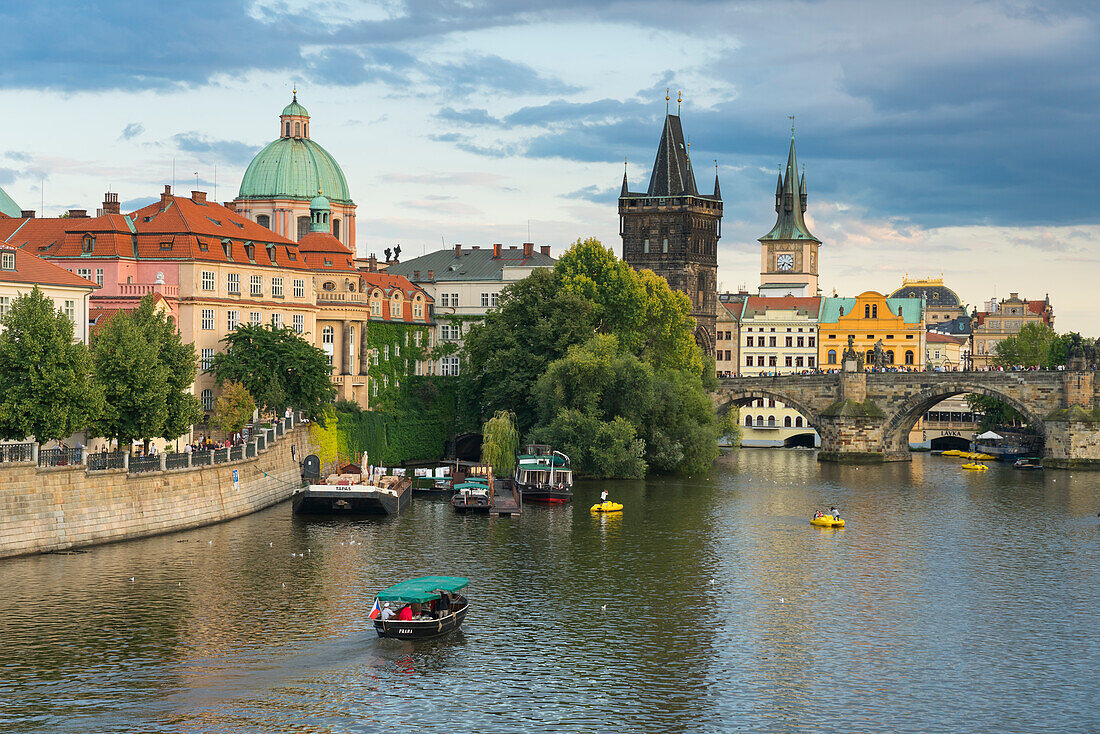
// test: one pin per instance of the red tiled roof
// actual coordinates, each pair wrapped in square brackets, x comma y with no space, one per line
[812,304]
[29,268]
[321,251]
[934,337]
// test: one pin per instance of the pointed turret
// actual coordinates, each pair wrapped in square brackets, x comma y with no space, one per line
[790,225]
[672,174]
[778,192]
[626,190]
[717,189]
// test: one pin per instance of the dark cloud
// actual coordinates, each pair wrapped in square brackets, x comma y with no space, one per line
[132,131]
[131,205]
[474,117]
[595,194]
[229,151]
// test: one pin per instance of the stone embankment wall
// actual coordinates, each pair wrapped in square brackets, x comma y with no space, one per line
[48,509]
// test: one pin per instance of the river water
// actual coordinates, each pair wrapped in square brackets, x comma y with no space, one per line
[953,601]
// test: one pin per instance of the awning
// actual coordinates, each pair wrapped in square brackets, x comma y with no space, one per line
[990,436]
[424,589]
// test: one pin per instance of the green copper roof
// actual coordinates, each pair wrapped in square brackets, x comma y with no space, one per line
[790,204]
[294,168]
[7,206]
[295,109]
[911,309]
[320,203]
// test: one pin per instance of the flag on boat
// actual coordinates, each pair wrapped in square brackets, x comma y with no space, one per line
[375,610]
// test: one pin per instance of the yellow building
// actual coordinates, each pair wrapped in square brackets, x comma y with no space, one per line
[869,319]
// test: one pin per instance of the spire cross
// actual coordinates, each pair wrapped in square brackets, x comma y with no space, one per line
[791,118]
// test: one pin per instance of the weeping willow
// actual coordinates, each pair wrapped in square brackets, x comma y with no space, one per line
[500,441]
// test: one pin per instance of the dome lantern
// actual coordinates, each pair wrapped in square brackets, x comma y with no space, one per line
[294,120]
[319,213]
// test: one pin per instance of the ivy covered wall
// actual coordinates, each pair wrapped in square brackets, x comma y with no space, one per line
[395,354]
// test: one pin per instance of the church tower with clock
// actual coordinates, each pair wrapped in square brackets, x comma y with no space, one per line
[788,253]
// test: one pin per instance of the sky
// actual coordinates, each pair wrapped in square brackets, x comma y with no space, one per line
[942,136]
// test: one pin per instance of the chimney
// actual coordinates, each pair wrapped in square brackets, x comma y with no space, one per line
[199,197]
[110,203]
[545,250]
[78,214]
[416,275]
[477,247]
[166,195]
[458,250]
[496,250]
[372,264]
[528,249]
[431,275]
[27,213]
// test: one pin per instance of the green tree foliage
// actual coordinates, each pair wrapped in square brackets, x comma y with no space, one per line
[325,433]
[48,391]
[994,412]
[599,384]
[500,443]
[1031,347]
[234,407]
[279,368]
[146,371]
[535,324]
[591,271]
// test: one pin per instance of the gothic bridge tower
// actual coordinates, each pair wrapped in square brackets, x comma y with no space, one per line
[673,230]
[788,253]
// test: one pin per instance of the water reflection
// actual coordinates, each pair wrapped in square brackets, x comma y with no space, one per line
[951,602]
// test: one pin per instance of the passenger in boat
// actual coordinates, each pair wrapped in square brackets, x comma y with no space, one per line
[834,512]
[603,496]
[387,611]
[406,614]
[443,606]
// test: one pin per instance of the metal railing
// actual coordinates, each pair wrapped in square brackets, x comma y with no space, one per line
[60,457]
[202,458]
[16,452]
[104,460]
[236,453]
[144,463]
[221,456]
[176,460]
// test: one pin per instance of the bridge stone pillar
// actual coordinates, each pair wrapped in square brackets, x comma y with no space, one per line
[1072,434]
[852,429]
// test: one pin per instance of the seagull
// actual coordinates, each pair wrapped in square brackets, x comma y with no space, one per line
[284,586]
[309,550]
[210,542]
[781,600]
[712,582]
[131,579]
[270,545]
[602,609]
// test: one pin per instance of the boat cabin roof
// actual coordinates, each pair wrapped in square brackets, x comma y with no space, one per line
[423,589]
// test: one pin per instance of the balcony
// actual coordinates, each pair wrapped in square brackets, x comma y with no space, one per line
[140,289]
[333,297]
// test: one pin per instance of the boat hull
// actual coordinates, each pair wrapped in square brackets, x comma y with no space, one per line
[828,521]
[315,501]
[420,629]
[551,495]
[463,504]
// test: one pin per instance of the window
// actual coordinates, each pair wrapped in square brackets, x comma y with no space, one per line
[890,356]
[771,421]
[256,285]
[771,402]
[208,399]
[759,341]
[299,288]
[277,320]
[787,422]
[416,338]
[7,261]
[449,366]
[771,341]
[299,322]
[85,273]
[374,388]
[810,341]
[386,352]
[396,349]
[327,338]
[418,309]
[336,228]
[207,358]
[909,356]
[748,361]
[664,245]
[263,220]
[70,310]
[748,341]
[5,304]
[645,247]
[485,300]
[450,332]
[233,284]
[748,421]
[232,318]
[87,244]
[208,318]
[760,361]
[99,276]
[277,287]
[798,421]
[832,356]
[809,361]
[773,361]
[801,341]
[788,361]
[789,342]
[375,308]
[208,280]
[374,357]
[874,311]
[255,318]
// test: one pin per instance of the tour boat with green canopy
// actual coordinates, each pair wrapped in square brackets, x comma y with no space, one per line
[421,608]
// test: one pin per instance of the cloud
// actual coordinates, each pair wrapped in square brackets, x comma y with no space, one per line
[595,194]
[131,205]
[460,178]
[132,131]
[229,151]
[7,175]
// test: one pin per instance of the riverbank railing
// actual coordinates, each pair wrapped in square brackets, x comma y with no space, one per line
[262,438]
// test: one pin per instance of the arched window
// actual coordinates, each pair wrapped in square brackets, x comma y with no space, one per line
[889,356]
[771,421]
[263,220]
[748,421]
[874,311]
[288,129]
[798,421]
[297,129]
[760,421]
[305,129]
[866,310]
[787,422]
[841,310]
[908,356]
[336,228]
[832,356]
[208,399]
[869,358]
[303,227]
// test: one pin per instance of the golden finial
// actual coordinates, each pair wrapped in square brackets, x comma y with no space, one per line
[667,98]
[679,98]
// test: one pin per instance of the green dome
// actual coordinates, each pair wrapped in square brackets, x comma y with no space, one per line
[295,109]
[294,168]
[320,203]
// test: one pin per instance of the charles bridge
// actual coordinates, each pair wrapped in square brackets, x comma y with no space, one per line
[865,417]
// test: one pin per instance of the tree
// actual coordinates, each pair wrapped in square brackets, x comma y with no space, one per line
[994,412]
[1031,347]
[500,443]
[598,448]
[618,297]
[325,434]
[146,372]
[279,368]
[48,391]
[234,407]
[535,324]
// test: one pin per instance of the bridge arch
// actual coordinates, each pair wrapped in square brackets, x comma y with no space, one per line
[896,429]
[741,397]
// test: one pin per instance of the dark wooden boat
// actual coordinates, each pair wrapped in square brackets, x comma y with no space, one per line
[433,487]
[1026,464]
[445,606]
[472,497]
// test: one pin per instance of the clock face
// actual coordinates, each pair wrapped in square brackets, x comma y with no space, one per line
[785,262]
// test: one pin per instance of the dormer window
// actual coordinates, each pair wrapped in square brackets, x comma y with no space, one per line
[250,251]
[87,244]
[7,261]
[227,248]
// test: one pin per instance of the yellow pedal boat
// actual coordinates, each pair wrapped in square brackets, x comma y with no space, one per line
[953,452]
[608,506]
[975,467]
[828,521]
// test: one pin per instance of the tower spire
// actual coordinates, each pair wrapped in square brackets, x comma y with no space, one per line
[625,190]
[717,189]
